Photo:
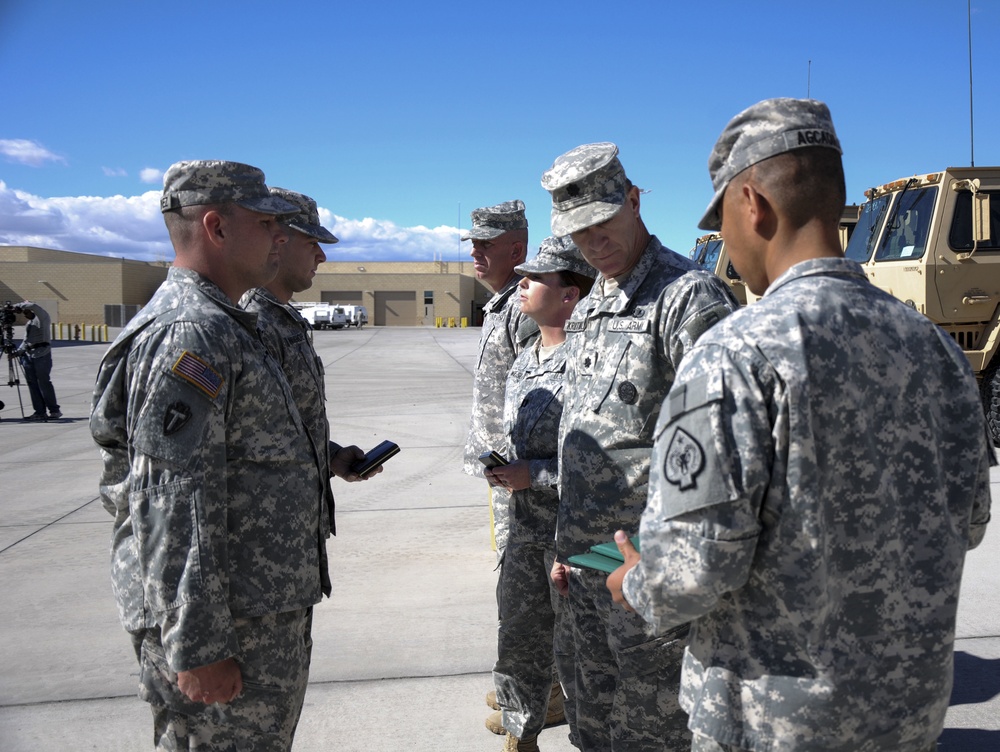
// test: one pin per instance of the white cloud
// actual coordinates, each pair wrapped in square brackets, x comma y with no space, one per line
[132,227]
[382,240]
[151,175]
[27,152]
[114,172]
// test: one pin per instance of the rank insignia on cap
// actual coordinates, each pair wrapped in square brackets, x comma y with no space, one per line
[685,459]
[175,418]
[193,369]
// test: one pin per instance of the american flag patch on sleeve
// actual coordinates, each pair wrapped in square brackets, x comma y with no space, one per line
[198,372]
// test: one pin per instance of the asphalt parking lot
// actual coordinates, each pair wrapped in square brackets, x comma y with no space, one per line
[403,649]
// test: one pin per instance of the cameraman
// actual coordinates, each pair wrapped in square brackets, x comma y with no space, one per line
[36,360]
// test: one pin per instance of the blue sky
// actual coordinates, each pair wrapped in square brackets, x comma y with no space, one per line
[399,118]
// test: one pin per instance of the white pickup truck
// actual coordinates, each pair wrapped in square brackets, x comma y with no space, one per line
[324,316]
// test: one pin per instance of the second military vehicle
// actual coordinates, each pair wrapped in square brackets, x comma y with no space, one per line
[933,241]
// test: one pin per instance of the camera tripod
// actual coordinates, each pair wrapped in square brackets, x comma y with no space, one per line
[14,372]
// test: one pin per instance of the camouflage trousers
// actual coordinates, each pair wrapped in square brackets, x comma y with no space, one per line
[626,681]
[274,661]
[533,637]
[500,517]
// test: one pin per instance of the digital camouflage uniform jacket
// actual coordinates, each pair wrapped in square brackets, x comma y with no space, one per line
[286,335]
[532,411]
[506,331]
[821,467]
[208,472]
[621,354]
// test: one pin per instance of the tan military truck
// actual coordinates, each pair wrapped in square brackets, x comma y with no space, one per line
[933,241]
[709,252]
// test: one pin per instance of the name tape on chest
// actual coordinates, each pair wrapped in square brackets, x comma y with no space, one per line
[631,326]
[193,369]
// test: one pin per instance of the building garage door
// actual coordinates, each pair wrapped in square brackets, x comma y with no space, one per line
[396,308]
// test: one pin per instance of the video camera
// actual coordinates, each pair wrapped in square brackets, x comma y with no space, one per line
[8,315]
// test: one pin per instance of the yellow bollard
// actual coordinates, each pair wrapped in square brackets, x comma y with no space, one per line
[437,322]
[451,322]
[465,322]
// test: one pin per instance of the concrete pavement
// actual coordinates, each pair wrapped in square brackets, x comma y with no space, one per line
[403,649]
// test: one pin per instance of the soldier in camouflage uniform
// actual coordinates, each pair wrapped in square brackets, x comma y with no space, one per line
[624,341]
[821,467]
[286,335]
[532,624]
[499,238]
[216,489]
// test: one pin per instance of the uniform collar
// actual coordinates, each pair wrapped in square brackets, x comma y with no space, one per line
[500,297]
[820,267]
[208,288]
[627,286]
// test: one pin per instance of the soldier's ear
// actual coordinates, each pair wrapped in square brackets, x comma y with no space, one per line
[632,198]
[759,208]
[214,226]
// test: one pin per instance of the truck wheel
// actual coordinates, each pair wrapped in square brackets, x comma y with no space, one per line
[989,390]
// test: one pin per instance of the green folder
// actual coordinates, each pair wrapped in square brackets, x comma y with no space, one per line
[604,557]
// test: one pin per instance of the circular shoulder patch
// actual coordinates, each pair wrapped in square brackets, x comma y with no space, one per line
[627,392]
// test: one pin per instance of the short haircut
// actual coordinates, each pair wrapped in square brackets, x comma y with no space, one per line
[575,279]
[804,183]
[181,223]
[520,235]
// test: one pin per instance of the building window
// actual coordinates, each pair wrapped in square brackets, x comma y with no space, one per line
[428,297]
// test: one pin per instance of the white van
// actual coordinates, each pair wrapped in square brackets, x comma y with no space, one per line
[318,316]
[338,317]
[357,315]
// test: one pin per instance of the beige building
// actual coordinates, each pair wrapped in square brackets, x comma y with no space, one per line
[78,288]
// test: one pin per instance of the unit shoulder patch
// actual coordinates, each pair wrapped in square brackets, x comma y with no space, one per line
[176,417]
[685,460]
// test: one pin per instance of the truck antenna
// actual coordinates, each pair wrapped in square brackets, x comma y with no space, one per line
[972,132]
[809,76]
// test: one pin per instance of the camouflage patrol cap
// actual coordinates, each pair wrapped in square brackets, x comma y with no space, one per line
[493,221]
[217,182]
[307,219]
[588,186]
[557,255]
[765,130]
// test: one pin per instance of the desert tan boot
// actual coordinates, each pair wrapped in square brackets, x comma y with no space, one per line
[525,744]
